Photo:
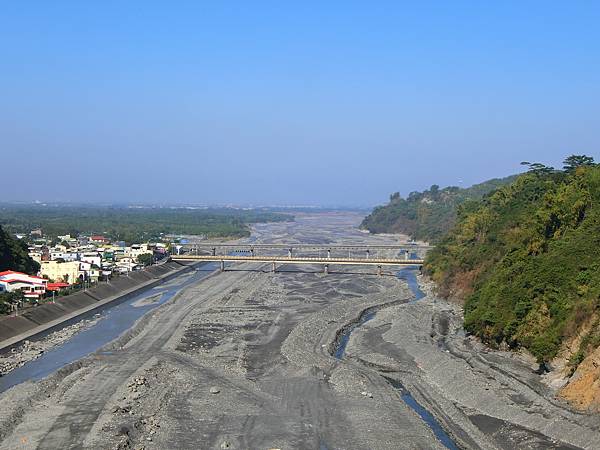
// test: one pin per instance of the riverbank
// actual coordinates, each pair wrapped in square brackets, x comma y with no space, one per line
[30,350]
[485,398]
[44,319]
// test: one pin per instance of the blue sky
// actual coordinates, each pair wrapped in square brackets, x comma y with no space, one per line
[274,102]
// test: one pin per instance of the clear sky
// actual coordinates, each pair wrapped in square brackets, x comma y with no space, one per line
[275,102]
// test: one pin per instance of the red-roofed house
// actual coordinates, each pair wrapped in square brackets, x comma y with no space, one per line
[56,286]
[31,286]
[99,239]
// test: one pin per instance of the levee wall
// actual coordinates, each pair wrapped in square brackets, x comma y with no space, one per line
[44,319]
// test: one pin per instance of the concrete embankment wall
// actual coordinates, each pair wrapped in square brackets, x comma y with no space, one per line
[46,318]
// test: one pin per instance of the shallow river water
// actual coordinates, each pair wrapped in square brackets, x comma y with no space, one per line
[409,275]
[115,320]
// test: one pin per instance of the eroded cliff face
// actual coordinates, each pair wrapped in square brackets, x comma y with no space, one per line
[583,388]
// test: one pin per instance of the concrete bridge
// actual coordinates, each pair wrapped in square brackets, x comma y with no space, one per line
[326,262]
[292,249]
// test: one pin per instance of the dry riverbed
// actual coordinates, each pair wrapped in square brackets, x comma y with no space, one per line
[245,360]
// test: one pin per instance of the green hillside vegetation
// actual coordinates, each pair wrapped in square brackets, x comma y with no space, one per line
[526,260]
[426,215]
[13,255]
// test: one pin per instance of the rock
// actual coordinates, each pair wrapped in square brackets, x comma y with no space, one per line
[149,439]
[225,444]
[215,390]
[369,395]
[363,393]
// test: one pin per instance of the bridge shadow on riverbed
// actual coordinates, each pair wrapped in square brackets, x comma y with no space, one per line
[296,271]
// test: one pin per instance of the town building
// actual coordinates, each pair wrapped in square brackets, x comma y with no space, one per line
[89,272]
[60,271]
[99,240]
[139,249]
[32,287]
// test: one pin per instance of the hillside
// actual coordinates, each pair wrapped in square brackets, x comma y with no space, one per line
[525,260]
[426,215]
[13,255]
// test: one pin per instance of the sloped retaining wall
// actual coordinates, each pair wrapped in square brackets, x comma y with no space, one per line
[46,318]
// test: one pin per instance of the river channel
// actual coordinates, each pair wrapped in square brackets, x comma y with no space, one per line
[114,320]
[409,276]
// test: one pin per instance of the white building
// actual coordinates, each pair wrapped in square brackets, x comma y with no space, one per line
[91,258]
[139,249]
[89,271]
[31,286]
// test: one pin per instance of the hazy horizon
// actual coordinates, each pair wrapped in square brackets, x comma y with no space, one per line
[273,104]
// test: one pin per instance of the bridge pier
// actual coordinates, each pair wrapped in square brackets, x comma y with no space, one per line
[289,252]
[214,251]
[328,253]
[368,253]
[326,269]
[406,254]
[273,267]
[252,251]
[222,266]
[379,270]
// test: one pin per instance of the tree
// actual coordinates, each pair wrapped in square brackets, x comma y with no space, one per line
[145,259]
[574,161]
[13,255]
[7,300]
[538,168]
[394,196]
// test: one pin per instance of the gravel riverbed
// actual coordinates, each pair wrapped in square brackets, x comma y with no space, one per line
[243,359]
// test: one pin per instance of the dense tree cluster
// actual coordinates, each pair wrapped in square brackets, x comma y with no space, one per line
[133,224]
[14,255]
[526,260]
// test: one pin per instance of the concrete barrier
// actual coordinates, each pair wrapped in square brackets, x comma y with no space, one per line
[76,301]
[141,276]
[103,290]
[44,319]
[158,270]
[124,283]
[15,325]
[45,313]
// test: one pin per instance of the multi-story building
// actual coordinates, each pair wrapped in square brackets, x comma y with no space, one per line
[32,287]
[89,272]
[91,257]
[60,271]
[139,249]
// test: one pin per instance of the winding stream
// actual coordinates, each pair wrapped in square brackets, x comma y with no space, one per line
[409,276]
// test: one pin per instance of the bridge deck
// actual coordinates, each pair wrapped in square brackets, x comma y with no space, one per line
[297,246]
[302,260]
